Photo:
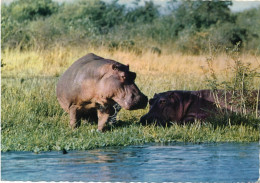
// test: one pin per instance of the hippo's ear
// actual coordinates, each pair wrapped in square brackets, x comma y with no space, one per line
[155,95]
[115,66]
[132,76]
[127,65]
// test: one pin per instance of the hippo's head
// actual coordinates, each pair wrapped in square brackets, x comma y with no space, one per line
[120,86]
[163,108]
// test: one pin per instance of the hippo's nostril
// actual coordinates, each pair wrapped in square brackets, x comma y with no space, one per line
[132,96]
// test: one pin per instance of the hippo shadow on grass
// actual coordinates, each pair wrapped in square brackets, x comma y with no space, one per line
[110,126]
[87,116]
[119,124]
[184,107]
[90,117]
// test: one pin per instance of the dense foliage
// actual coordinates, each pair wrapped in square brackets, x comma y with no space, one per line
[188,26]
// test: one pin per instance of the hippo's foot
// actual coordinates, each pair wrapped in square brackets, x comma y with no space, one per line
[112,119]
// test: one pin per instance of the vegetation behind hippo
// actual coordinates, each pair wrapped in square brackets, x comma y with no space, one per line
[185,26]
[214,52]
[32,119]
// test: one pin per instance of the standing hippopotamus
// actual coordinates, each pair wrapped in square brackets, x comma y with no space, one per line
[186,106]
[92,85]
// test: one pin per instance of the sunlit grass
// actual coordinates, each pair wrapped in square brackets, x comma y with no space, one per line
[32,120]
[54,61]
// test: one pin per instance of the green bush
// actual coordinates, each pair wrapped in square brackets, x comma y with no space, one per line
[201,14]
[229,35]
[91,16]
[188,27]
[249,20]
[193,42]
[240,84]
[27,10]
[144,14]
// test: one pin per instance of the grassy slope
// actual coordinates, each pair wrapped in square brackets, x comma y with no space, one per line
[32,120]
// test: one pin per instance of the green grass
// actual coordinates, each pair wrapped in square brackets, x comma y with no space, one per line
[32,120]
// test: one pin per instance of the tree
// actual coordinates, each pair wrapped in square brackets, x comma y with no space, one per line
[146,14]
[201,14]
[22,10]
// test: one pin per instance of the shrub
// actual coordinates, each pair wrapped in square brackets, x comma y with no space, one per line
[249,20]
[229,35]
[24,10]
[188,27]
[145,14]
[93,16]
[193,42]
[201,14]
[239,82]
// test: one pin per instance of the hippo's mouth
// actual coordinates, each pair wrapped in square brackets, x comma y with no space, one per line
[132,104]
[140,104]
[151,119]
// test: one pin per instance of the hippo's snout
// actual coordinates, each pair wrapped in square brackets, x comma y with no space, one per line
[149,119]
[143,119]
[141,104]
[146,119]
[144,102]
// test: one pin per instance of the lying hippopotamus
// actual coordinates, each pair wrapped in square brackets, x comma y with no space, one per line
[186,106]
[92,86]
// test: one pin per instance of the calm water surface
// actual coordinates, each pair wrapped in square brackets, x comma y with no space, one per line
[236,162]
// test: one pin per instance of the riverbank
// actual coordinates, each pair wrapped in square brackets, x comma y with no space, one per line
[32,120]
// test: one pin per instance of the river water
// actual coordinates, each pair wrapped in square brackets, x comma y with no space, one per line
[174,162]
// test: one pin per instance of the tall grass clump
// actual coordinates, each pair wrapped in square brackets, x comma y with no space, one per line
[242,81]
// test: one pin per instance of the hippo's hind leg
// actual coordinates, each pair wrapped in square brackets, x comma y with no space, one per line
[74,116]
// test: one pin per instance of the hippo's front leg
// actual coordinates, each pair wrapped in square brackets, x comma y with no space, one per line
[102,119]
[103,115]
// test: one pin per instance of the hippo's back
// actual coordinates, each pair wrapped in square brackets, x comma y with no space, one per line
[69,84]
